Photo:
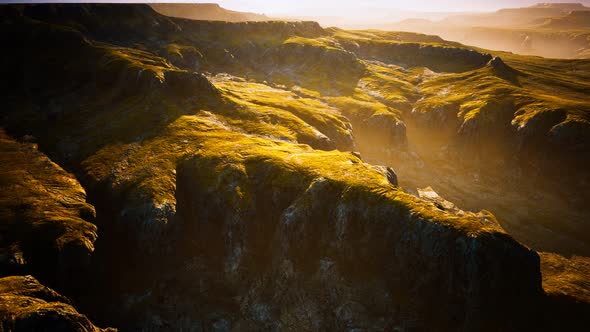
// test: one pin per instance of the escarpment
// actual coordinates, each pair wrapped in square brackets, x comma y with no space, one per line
[287,231]
[436,57]
[46,221]
[264,175]
[46,230]
[26,305]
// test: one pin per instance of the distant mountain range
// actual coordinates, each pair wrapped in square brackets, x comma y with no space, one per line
[546,29]
[573,20]
[516,17]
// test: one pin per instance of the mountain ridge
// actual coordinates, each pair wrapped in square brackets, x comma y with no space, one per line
[205,11]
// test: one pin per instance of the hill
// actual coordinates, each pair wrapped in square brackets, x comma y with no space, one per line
[205,11]
[279,175]
[573,20]
[566,7]
[548,30]
[515,17]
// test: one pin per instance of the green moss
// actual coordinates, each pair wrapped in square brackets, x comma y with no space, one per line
[566,276]
[136,60]
[545,90]
[42,207]
[180,50]
[322,42]
[292,115]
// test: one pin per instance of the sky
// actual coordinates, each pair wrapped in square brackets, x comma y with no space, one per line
[280,6]
[348,7]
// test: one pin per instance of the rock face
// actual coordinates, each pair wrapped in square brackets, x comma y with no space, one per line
[502,70]
[328,254]
[226,197]
[565,282]
[437,58]
[26,305]
[45,219]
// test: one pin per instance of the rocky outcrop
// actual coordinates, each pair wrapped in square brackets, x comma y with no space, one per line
[384,128]
[568,290]
[45,220]
[438,58]
[502,70]
[325,253]
[26,305]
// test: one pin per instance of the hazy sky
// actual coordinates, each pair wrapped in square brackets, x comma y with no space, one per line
[339,7]
[287,6]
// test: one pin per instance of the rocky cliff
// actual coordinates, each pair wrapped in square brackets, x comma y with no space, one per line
[46,221]
[26,305]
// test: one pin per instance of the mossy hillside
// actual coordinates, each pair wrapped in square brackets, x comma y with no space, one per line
[143,174]
[60,42]
[566,276]
[188,57]
[526,105]
[45,217]
[392,85]
[402,82]
[329,70]
[290,53]
[134,60]
[436,56]
[269,33]
[311,111]
[25,304]
[74,117]
[322,42]
[270,193]
[365,110]
[566,284]
[401,36]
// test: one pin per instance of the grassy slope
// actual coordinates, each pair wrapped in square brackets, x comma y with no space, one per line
[25,304]
[45,217]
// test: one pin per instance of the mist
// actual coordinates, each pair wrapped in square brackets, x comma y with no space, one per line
[552,30]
